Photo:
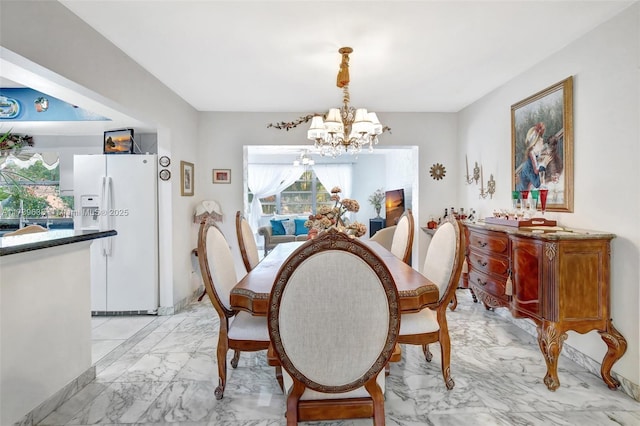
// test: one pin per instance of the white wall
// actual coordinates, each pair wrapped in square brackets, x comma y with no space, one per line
[222,136]
[368,175]
[61,46]
[606,90]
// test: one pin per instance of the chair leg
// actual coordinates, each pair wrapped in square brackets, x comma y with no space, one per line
[378,401]
[454,303]
[223,347]
[445,351]
[292,403]
[202,295]
[279,378]
[427,353]
[235,359]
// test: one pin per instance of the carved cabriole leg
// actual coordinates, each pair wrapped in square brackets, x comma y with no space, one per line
[473,295]
[617,346]
[222,367]
[454,303]
[427,353]
[550,339]
[235,359]
[445,350]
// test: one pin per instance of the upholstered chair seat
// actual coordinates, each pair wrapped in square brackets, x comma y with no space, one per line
[244,326]
[425,321]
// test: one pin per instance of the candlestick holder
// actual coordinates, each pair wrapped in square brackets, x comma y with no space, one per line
[483,193]
[476,173]
[491,186]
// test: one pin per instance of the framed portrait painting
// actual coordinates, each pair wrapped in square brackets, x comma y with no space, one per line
[221,175]
[542,145]
[186,178]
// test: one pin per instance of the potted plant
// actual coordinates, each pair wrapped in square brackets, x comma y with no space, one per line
[376,199]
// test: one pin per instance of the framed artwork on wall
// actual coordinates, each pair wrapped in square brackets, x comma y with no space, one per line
[118,141]
[186,178]
[542,144]
[221,175]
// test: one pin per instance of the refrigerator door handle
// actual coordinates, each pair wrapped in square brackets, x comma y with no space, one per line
[101,226]
[107,214]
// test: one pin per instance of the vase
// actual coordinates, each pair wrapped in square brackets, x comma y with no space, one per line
[378,211]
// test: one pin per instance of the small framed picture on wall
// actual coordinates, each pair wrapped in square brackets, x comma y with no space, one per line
[186,178]
[221,175]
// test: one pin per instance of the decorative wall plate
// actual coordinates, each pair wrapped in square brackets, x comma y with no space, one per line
[437,171]
[164,161]
[165,174]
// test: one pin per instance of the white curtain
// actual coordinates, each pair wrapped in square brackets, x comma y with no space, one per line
[331,175]
[265,180]
[340,175]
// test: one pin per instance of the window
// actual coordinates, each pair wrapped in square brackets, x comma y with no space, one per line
[32,187]
[303,197]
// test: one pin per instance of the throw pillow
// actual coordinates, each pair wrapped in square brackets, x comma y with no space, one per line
[277,228]
[289,227]
[300,228]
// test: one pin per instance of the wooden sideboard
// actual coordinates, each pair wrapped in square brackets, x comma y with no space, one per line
[558,279]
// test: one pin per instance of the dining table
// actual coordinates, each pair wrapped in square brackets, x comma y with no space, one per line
[251,293]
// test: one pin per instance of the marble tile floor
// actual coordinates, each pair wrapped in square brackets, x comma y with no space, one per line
[161,371]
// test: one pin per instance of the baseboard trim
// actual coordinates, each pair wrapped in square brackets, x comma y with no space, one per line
[181,304]
[39,413]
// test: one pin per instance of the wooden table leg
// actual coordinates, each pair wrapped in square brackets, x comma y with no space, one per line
[550,339]
[617,346]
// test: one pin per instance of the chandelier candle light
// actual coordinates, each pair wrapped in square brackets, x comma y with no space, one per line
[345,129]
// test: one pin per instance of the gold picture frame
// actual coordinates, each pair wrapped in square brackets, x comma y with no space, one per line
[542,144]
[187,181]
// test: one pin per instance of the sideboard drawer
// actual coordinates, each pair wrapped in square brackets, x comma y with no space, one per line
[489,284]
[494,242]
[487,263]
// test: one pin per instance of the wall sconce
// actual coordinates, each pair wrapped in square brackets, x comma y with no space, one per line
[491,186]
[476,172]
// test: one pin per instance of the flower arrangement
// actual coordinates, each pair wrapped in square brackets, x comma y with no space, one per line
[376,199]
[327,216]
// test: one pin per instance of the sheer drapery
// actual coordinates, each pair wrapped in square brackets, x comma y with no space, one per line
[265,180]
[331,175]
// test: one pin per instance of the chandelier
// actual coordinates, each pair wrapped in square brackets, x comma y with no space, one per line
[304,159]
[344,129]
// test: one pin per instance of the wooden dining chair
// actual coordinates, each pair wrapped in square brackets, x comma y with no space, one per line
[246,242]
[384,236]
[239,330]
[29,229]
[442,265]
[333,320]
[403,237]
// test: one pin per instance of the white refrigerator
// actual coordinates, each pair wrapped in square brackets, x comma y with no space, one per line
[119,192]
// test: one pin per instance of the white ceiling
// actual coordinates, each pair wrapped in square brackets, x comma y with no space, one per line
[408,56]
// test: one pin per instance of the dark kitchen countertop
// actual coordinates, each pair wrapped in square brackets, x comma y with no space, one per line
[40,240]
